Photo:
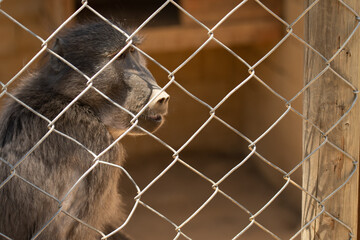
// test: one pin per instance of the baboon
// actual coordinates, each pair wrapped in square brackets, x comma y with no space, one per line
[57,161]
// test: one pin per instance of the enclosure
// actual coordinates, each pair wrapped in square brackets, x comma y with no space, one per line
[261,140]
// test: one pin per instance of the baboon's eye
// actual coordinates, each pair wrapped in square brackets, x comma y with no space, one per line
[132,49]
[123,55]
[113,54]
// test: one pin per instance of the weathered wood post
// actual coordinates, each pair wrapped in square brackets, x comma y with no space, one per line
[328,25]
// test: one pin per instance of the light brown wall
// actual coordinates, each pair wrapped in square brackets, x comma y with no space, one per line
[18,46]
[251,110]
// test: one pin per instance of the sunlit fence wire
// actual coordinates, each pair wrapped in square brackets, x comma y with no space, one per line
[252,143]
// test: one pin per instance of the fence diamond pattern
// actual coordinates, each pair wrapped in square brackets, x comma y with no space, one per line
[252,143]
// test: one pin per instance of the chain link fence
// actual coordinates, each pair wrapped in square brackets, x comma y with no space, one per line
[318,209]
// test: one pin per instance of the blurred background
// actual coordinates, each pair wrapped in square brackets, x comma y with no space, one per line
[170,38]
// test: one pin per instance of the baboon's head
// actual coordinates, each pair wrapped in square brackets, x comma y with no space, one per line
[126,81]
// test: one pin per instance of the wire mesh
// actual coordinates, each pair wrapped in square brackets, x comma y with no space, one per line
[252,143]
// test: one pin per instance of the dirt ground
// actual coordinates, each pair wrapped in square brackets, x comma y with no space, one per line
[180,192]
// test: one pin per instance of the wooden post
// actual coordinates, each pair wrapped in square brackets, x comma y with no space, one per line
[327,26]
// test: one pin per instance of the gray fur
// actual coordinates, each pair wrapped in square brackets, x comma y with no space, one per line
[57,163]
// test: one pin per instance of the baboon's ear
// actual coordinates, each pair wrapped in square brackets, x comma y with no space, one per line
[57,63]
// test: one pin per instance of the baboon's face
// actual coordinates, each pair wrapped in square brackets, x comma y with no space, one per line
[133,86]
[126,81]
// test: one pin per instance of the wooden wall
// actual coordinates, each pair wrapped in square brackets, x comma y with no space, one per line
[17,46]
[251,110]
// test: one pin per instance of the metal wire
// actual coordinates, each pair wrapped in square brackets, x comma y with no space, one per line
[215,186]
